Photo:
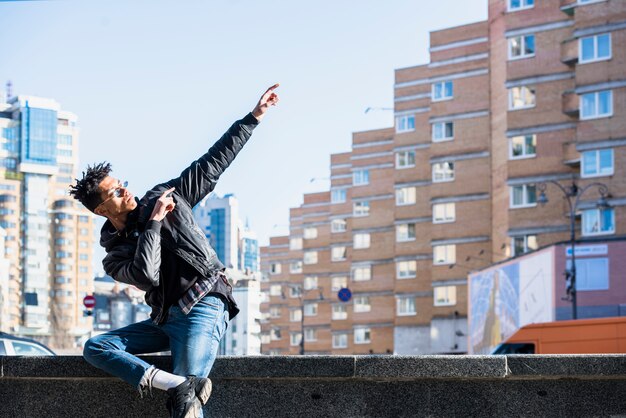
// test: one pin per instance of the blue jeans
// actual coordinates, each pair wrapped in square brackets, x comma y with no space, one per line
[193,340]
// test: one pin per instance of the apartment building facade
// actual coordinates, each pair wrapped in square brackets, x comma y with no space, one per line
[49,237]
[505,112]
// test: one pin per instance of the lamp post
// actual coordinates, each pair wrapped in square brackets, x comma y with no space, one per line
[301,297]
[573,194]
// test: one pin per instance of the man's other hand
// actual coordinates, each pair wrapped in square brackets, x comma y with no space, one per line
[269,98]
[164,205]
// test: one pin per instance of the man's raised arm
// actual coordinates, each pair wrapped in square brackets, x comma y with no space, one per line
[200,178]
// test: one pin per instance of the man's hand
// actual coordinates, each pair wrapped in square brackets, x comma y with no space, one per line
[164,205]
[268,99]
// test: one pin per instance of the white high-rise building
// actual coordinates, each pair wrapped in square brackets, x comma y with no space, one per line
[4,284]
[49,236]
[243,336]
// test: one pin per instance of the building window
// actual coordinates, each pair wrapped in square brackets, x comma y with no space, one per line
[64,152]
[405,124]
[523,196]
[295,291]
[442,91]
[360,177]
[274,312]
[521,47]
[340,312]
[597,163]
[275,334]
[339,282]
[591,273]
[295,315]
[443,131]
[310,282]
[444,254]
[445,296]
[594,48]
[295,338]
[405,305]
[405,159]
[338,196]
[443,172]
[598,221]
[406,196]
[310,233]
[523,147]
[362,304]
[295,244]
[310,257]
[340,340]
[521,97]
[265,297]
[275,268]
[310,334]
[310,309]
[275,290]
[515,5]
[338,225]
[362,336]
[406,269]
[360,274]
[295,267]
[361,208]
[361,241]
[265,338]
[598,104]
[524,244]
[405,232]
[338,253]
[444,212]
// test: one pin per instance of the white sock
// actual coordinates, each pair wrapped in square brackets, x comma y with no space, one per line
[164,380]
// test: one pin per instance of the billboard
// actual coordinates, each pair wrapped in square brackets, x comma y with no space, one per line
[507,296]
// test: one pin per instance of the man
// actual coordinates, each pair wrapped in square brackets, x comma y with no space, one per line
[155,244]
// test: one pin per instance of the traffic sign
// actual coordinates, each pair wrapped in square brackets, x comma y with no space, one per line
[89,301]
[344,294]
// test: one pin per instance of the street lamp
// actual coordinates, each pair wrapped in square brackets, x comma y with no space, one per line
[301,297]
[574,193]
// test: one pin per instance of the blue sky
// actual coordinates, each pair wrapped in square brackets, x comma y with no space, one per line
[154,83]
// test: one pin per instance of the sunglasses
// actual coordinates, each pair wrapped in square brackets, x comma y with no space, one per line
[117,192]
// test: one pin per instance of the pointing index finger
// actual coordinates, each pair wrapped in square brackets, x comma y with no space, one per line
[274,87]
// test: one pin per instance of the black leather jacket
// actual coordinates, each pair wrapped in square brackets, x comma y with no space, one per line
[134,254]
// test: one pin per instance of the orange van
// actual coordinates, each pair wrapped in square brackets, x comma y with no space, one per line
[580,336]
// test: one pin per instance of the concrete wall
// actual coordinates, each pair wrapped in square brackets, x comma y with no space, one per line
[334,386]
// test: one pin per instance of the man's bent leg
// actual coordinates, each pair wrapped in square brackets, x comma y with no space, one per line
[113,351]
[195,337]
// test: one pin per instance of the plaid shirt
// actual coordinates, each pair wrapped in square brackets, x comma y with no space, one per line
[196,292]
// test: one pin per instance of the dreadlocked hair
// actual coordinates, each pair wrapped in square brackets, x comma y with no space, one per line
[86,190]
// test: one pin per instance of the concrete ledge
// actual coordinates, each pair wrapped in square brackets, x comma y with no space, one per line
[342,386]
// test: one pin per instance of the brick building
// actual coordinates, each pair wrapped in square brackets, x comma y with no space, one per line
[534,95]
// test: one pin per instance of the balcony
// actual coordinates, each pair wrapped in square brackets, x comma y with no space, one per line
[569,52]
[571,157]
[570,104]
[568,6]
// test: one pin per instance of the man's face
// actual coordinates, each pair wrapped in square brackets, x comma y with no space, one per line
[116,199]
